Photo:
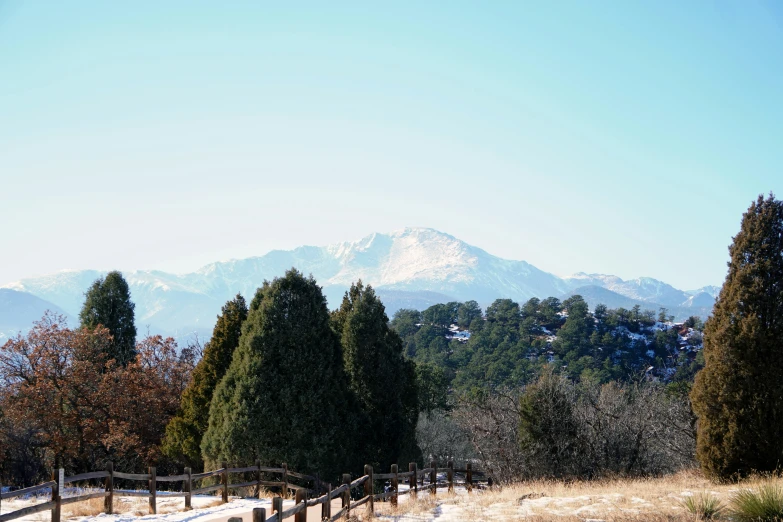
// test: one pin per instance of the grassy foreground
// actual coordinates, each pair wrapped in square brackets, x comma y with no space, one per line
[685,496]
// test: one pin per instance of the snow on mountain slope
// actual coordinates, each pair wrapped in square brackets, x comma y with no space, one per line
[711,290]
[700,300]
[65,288]
[416,259]
[596,294]
[640,289]
[412,267]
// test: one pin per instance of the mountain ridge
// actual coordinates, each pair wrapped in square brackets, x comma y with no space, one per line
[411,267]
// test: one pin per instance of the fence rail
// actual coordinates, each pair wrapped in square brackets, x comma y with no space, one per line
[414,477]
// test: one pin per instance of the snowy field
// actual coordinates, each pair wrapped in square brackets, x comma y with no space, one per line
[205,507]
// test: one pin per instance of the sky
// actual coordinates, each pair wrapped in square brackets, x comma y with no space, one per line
[612,137]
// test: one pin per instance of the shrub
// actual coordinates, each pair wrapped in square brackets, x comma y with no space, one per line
[704,506]
[762,505]
[556,428]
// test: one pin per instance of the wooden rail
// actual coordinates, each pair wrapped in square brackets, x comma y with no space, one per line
[414,476]
[27,491]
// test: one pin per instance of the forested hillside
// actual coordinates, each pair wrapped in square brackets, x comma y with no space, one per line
[509,344]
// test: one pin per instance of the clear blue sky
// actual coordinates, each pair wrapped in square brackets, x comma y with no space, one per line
[622,137]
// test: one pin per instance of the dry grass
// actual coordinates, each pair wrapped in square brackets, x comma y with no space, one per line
[88,508]
[94,507]
[654,499]
[423,505]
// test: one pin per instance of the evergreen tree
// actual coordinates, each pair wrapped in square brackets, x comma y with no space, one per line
[185,431]
[504,312]
[440,315]
[574,336]
[738,396]
[548,422]
[108,303]
[284,397]
[433,387]
[382,379]
[467,313]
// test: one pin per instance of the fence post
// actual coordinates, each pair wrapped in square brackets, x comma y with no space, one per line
[299,497]
[284,492]
[108,485]
[413,483]
[369,488]
[469,476]
[450,476]
[188,487]
[259,515]
[153,493]
[277,506]
[347,496]
[57,477]
[433,478]
[224,481]
[395,484]
[326,507]
[258,486]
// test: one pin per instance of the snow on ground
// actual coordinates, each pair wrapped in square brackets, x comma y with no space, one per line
[200,512]
[170,509]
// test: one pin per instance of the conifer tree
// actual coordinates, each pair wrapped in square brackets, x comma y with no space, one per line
[185,431]
[467,313]
[574,335]
[382,379]
[738,396]
[284,397]
[108,303]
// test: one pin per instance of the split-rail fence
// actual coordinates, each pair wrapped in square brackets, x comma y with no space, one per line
[417,480]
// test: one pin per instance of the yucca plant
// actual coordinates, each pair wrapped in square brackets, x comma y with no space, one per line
[764,504]
[704,506]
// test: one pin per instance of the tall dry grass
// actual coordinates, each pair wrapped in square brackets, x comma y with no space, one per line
[612,500]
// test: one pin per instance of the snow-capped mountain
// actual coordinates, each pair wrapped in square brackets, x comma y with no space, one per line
[412,268]
[644,289]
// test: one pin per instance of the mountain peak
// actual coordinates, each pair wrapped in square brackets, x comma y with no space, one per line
[424,232]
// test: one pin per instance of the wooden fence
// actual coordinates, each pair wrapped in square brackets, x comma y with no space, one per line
[415,479]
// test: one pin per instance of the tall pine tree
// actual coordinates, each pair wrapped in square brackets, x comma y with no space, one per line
[108,303]
[738,396]
[185,431]
[284,397]
[382,379]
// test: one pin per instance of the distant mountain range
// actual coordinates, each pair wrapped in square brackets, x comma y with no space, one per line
[410,268]
[18,311]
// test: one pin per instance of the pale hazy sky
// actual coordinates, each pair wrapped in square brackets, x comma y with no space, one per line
[607,136]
